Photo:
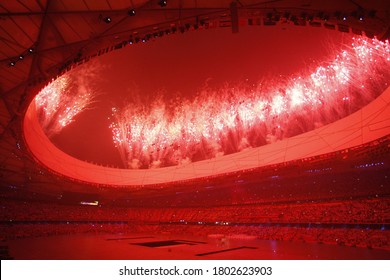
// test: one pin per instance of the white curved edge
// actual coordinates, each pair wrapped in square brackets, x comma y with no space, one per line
[366,125]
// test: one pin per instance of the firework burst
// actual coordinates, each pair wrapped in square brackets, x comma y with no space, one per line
[231,119]
[64,98]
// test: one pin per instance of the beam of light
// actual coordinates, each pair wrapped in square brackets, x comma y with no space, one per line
[228,120]
[63,99]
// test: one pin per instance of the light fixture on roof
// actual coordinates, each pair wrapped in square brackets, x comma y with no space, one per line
[107,19]
[131,12]
[31,50]
[162,3]
[21,57]
[358,14]
[12,63]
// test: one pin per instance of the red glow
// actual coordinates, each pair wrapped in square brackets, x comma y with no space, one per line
[368,124]
[233,119]
[64,98]
[181,65]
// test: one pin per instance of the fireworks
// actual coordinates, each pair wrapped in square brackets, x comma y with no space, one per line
[63,99]
[229,120]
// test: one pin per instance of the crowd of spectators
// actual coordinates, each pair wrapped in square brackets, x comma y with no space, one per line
[367,210]
[23,230]
[355,222]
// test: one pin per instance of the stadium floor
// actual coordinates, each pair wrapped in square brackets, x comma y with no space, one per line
[180,247]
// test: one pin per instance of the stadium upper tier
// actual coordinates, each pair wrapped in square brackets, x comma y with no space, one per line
[369,123]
